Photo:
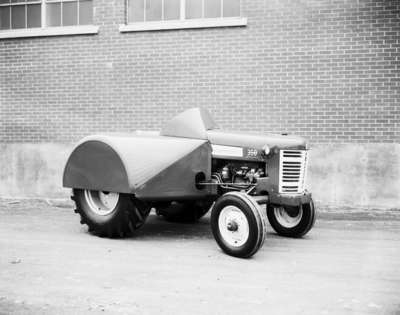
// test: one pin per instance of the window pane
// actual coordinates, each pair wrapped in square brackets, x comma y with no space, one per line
[18,16]
[69,13]
[212,8]
[53,14]
[193,9]
[17,1]
[153,10]
[231,7]
[4,1]
[85,12]
[171,9]
[34,15]
[136,11]
[4,18]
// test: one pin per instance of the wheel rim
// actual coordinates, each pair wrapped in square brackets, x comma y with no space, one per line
[101,202]
[288,220]
[233,226]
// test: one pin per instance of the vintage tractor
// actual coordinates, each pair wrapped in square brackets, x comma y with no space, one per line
[184,170]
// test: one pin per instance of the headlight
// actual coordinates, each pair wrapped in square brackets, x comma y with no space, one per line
[266,149]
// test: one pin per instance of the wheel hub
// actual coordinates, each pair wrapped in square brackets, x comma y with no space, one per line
[288,218]
[101,202]
[233,226]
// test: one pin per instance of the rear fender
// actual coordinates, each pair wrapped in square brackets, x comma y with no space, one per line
[95,165]
[151,167]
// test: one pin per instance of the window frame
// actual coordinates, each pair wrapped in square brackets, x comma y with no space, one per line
[182,22]
[10,5]
[44,29]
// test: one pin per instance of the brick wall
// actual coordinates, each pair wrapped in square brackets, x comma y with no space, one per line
[327,70]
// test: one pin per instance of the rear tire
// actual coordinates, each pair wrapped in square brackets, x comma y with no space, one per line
[184,212]
[109,214]
[292,221]
[238,224]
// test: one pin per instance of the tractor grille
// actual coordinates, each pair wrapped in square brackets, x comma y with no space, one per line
[292,171]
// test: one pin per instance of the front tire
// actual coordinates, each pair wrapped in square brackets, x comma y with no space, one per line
[238,224]
[109,214]
[292,221]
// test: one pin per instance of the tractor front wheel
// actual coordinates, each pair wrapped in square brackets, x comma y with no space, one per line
[292,221]
[238,224]
[109,214]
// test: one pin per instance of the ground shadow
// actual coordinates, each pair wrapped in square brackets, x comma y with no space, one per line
[157,227]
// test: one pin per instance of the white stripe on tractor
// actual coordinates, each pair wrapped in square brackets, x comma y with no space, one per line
[225,150]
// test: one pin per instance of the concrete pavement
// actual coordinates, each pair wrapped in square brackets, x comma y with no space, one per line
[50,264]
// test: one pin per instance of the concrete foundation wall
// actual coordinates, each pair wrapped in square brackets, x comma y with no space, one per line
[365,175]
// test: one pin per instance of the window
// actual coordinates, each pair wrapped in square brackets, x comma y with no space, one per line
[153,15]
[69,12]
[20,14]
[165,10]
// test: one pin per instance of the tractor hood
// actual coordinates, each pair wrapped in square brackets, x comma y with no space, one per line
[197,123]
[257,141]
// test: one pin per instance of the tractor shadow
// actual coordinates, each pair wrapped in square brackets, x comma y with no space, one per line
[157,227]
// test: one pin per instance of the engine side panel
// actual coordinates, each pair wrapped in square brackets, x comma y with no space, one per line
[178,181]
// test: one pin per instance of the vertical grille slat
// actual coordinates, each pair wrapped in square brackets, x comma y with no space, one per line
[292,171]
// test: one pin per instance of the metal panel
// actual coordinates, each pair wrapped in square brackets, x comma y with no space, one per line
[178,180]
[257,141]
[292,165]
[272,170]
[192,123]
[95,165]
[237,153]
[126,163]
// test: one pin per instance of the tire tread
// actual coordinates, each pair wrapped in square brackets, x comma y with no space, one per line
[122,223]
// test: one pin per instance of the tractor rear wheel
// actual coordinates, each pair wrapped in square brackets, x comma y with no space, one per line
[109,214]
[184,212]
